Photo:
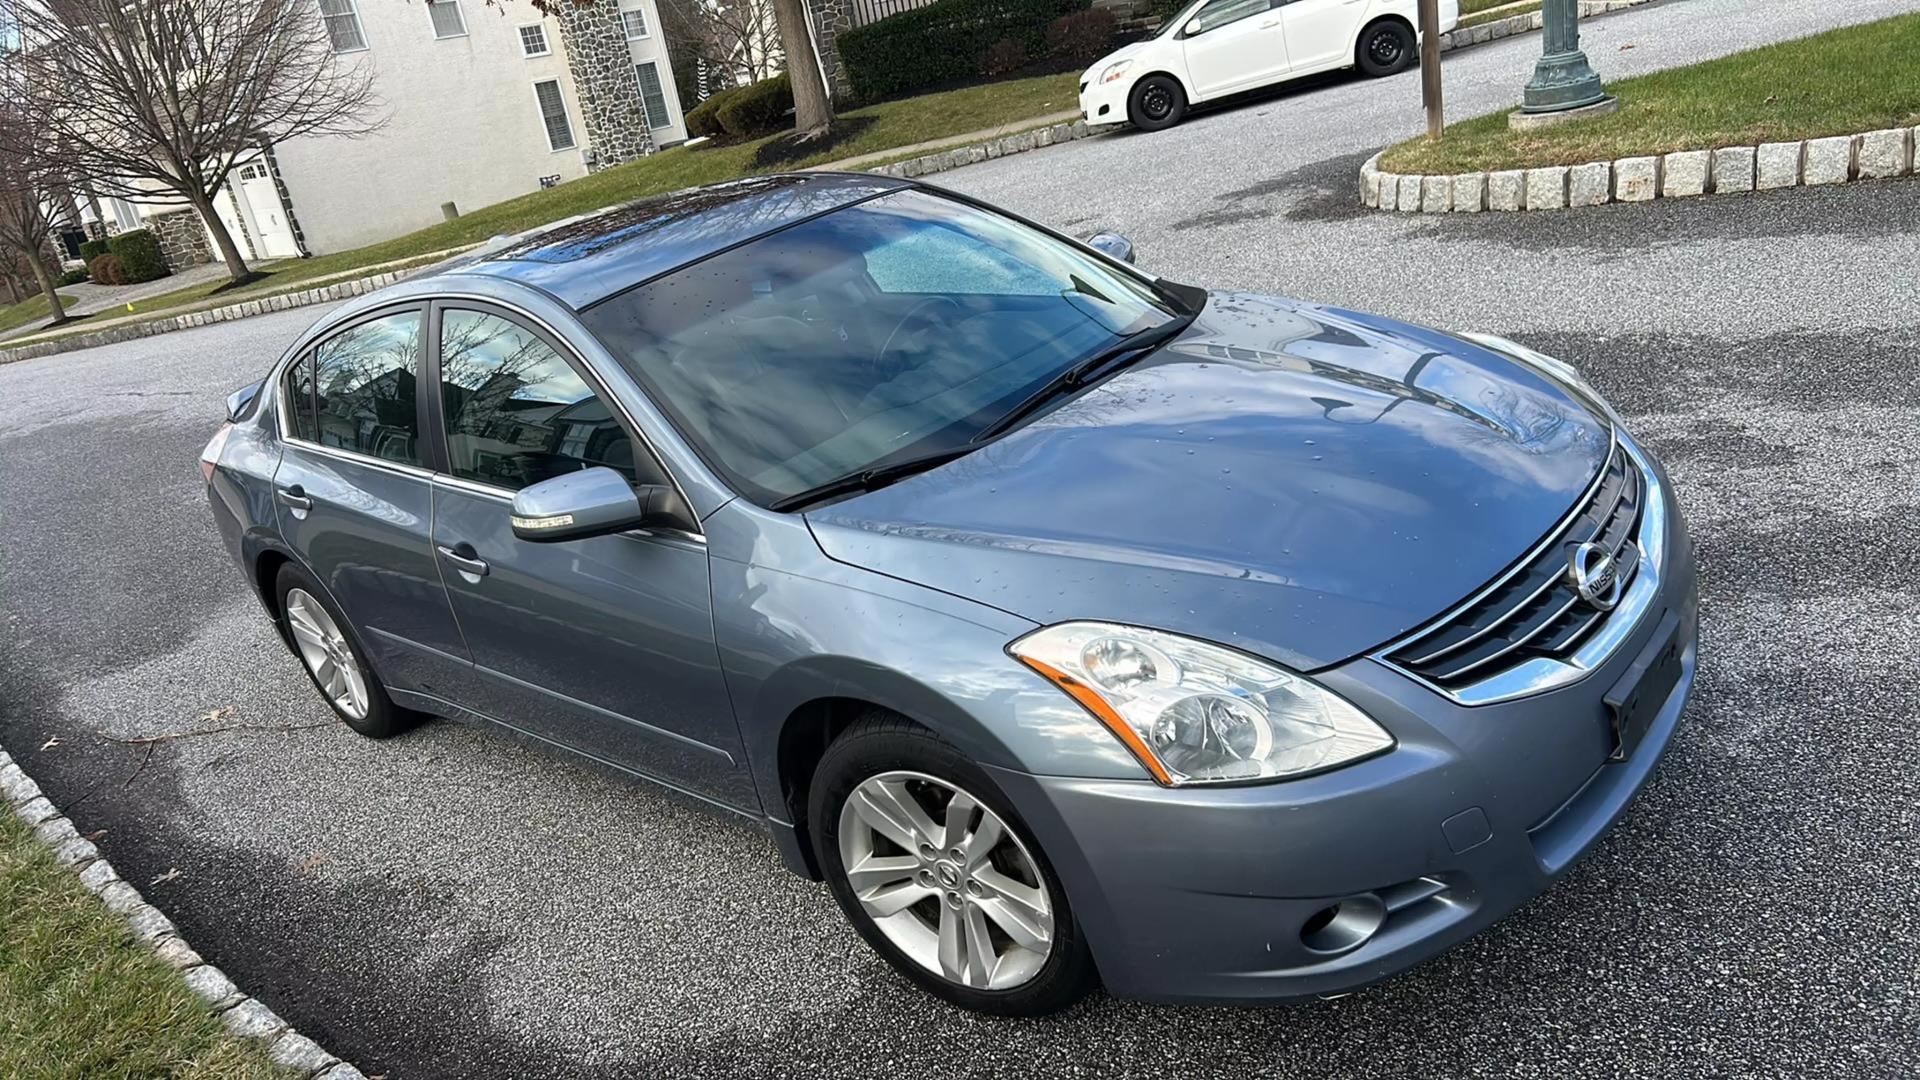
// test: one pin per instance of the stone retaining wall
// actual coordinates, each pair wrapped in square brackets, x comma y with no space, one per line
[1872,155]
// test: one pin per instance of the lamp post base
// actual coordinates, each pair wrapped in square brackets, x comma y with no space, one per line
[1561,80]
[1522,120]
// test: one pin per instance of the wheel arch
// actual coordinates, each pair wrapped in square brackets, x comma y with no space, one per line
[1360,38]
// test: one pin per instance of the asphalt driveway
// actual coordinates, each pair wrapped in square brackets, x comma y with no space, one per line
[454,904]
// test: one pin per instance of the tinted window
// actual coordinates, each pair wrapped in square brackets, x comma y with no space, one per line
[366,381]
[517,413]
[299,392]
[1221,12]
[903,324]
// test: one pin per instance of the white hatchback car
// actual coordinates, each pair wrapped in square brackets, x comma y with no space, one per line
[1213,48]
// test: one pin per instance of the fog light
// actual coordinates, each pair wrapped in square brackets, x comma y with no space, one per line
[1344,926]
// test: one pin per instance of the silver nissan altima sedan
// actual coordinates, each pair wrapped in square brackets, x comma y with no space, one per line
[1071,623]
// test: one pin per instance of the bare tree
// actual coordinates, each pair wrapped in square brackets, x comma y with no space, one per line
[28,213]
[735,38]
[158,100]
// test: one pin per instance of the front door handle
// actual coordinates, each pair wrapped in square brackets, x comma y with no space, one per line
[1270,24]
[296,498]
[463,556]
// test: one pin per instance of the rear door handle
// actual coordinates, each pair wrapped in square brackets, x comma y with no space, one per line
[1270,24]
[463,556]
[296,498]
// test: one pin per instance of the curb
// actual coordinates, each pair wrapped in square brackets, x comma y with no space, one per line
[1839,159]
[286,301]
[1003,146]
[246,1017]
[1495,29]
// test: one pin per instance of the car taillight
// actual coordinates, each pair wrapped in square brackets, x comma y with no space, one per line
[210,457]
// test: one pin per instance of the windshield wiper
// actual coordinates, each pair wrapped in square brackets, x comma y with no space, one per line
[1105,362]
[872,477]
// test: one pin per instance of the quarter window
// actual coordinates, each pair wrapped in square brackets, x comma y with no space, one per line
[364,379]
[299,396]
[517,413]
[1221,12]
[343,25]
[533,40]
[655,98]
[553,113]
[447,22]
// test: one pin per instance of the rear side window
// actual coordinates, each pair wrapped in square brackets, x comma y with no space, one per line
[299,394]
[517,413]
[367,388]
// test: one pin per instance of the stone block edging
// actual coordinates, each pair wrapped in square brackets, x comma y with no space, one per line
[1495,29]
[1839,159]
[245,1017]
[285,301]
[973,154]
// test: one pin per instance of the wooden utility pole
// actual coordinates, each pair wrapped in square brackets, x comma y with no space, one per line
[1430,67]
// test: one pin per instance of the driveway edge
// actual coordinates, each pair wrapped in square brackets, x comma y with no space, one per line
[244,1016]
[1495,29]
[973,154]
[1839,159]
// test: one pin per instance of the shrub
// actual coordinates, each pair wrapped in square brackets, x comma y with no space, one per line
[757,109]
[139,252]
[1082,37]
[942,43]
[1004,56]
[704,119]
[107,270]
[74,276]
[92,249]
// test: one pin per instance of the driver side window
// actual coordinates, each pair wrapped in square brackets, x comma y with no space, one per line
[517,413]
[1221,12]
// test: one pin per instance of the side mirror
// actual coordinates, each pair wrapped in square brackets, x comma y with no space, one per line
[591,502]
[240,402]
[1193,27]
[1113,245]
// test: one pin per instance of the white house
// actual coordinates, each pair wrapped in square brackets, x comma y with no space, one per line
[485,102]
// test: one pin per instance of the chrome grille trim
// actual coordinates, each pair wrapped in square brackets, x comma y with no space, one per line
[1594,640]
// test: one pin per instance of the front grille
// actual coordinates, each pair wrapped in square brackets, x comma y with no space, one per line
[1533,610]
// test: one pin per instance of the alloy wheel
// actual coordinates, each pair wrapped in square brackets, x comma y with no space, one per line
[326,653]
[946,881]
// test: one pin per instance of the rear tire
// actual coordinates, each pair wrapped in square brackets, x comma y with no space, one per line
[1386,47]
[1156,102]
[970,890]
[327,648]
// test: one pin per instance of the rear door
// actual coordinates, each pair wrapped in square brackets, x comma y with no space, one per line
[603,645]
[355,500]
[1321,33]
[1240,44]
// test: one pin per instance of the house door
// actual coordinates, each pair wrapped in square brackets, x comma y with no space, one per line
[272,235]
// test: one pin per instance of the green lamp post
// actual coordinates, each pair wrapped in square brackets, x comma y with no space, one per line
[1563,86]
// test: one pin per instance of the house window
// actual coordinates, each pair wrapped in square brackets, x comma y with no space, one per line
[447,22]
[252,171]
[124,215]
[343,25]
[533,40]
[649,74]
[635,20]
[553,113]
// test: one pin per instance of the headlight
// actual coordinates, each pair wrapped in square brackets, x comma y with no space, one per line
[1196,713]
[1553,368]
[1115,70]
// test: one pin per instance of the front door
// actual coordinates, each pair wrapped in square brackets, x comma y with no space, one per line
[355,500]
[603,645]
[272,233]
[1320,33]
[1240,44]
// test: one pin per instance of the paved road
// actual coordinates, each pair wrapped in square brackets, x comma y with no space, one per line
[453,904]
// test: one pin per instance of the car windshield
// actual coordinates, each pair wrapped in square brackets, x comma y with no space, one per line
[895,327]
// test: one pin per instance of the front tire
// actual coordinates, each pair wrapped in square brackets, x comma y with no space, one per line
[1386,47]
[935,870]
[1156,102]
[332,657]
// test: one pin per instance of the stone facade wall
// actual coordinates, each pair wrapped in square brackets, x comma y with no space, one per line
[183,239]
[602,67]
[829,19]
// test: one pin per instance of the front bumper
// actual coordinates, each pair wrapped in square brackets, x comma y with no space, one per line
[1213,894]
[1105,103]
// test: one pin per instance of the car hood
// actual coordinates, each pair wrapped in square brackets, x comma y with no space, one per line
[1301,482]
[1121,53]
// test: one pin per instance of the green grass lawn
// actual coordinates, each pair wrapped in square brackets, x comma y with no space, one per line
[1860,78]
[80,997]
[1474,7]
[895,124]
[1473,12]
[31,309]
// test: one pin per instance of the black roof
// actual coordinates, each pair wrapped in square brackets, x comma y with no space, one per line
[588,260]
